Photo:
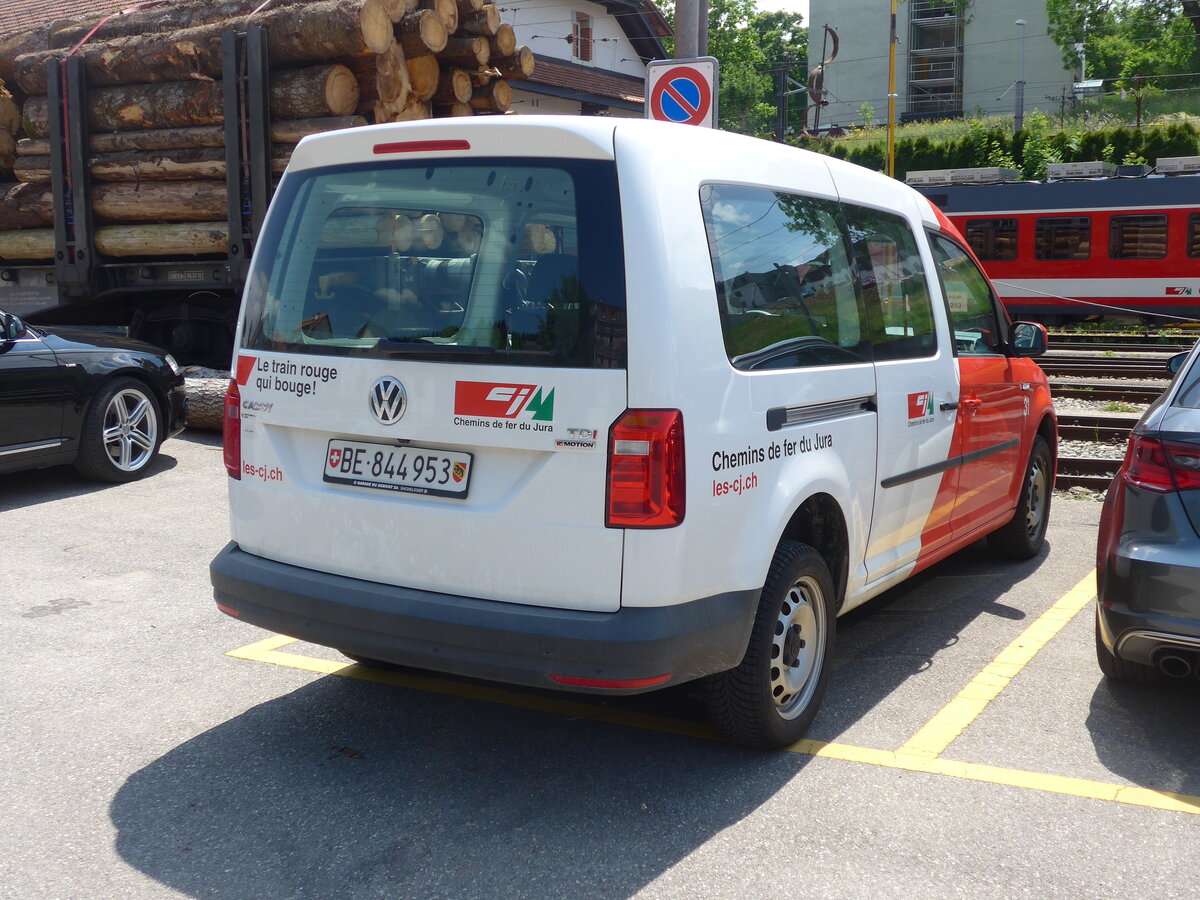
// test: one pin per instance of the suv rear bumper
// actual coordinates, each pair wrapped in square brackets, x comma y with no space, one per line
[482,638]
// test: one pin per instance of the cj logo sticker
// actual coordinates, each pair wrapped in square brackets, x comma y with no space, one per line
[920,405]
[504,401]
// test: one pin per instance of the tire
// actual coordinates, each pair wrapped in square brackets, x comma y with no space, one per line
[1117,669]
[1023,537]
[764,703]
[122,431]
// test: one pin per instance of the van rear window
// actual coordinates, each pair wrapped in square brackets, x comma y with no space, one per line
[500,261]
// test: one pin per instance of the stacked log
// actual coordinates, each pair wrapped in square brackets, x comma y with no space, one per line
[155,103]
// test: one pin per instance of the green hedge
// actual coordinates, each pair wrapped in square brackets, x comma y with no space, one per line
[994,145]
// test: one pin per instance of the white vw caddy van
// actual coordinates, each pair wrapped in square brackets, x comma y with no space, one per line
[608,405]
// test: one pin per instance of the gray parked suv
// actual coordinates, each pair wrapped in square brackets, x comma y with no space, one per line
[1148,555]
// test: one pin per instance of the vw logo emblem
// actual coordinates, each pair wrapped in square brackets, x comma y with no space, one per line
[388,400]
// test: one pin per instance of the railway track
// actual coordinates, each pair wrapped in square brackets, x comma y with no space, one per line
[1121,343]
[1110,391]
[1145,370]
[1078,471]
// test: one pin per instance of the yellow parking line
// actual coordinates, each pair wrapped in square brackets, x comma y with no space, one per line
[940,731]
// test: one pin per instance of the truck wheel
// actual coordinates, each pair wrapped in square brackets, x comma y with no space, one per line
[1117,669]
[1022,538]
[121,433]
[771,698]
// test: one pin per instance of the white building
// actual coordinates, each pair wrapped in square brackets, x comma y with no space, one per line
[591,56]
[947,65]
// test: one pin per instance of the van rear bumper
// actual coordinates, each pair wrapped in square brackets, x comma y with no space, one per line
[497,641]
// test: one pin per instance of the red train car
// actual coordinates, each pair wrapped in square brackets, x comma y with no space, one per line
[1065,250]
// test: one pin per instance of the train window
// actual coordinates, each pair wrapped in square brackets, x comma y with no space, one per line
[1064,237]
[1137,237]
[1193,235]
[993,239]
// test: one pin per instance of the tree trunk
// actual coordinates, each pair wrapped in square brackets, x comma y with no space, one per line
[284,131]
[308,93]
[454,87]
[32,205]
[25,206]
[468,52]
[416,109]
[10,113]
[178,104]
[446,10]
[196,239]
[485,22]
[495,96]
[391,76]
[18,43]
[157,18]
[504,41]
[446,111]
[466,7]
[8,151]
[398,9]
[424,74]
[421,33]
[305,33]
[138,165]
[519,65]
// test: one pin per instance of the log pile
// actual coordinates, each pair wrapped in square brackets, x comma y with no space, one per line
[156,115]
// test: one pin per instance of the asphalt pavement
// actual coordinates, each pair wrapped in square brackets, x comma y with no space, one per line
[153,747]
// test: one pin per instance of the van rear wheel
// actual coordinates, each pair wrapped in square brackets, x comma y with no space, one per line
[772,697]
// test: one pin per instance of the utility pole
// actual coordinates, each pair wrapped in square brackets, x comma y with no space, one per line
[781,99]
[891,122]
[1019,118]
[691,28]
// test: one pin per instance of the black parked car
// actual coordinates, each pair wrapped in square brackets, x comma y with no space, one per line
[103,402]
[1148,554]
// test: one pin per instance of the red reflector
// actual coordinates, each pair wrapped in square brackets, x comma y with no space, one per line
[646,486]
[228,610]
[615,684]
[420,147]
[231,431]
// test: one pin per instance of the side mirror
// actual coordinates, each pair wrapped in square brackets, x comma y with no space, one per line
[1176,362]
[11,327]
[1027,339]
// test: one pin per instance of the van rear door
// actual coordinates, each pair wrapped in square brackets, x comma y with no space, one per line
[432,352]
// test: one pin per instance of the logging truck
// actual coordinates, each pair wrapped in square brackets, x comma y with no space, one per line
[147,147]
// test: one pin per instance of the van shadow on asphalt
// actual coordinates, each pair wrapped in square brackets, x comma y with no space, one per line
[346,788]
[352,788]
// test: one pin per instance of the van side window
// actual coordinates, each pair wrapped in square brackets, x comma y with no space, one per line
[785,285]
[969,300]
[893,284]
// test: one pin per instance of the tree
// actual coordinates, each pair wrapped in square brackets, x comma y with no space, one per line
[1126,39]
[749,44]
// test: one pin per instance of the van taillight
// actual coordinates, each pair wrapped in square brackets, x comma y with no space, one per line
[1162,466]
[645,470]
[231,431]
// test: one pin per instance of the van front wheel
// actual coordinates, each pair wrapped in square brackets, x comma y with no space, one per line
[771,698]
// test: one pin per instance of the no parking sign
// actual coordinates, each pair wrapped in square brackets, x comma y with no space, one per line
[682,91]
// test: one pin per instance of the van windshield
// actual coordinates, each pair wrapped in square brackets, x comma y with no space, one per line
[494,261]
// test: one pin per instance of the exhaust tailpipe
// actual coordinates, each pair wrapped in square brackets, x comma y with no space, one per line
[1175,665]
